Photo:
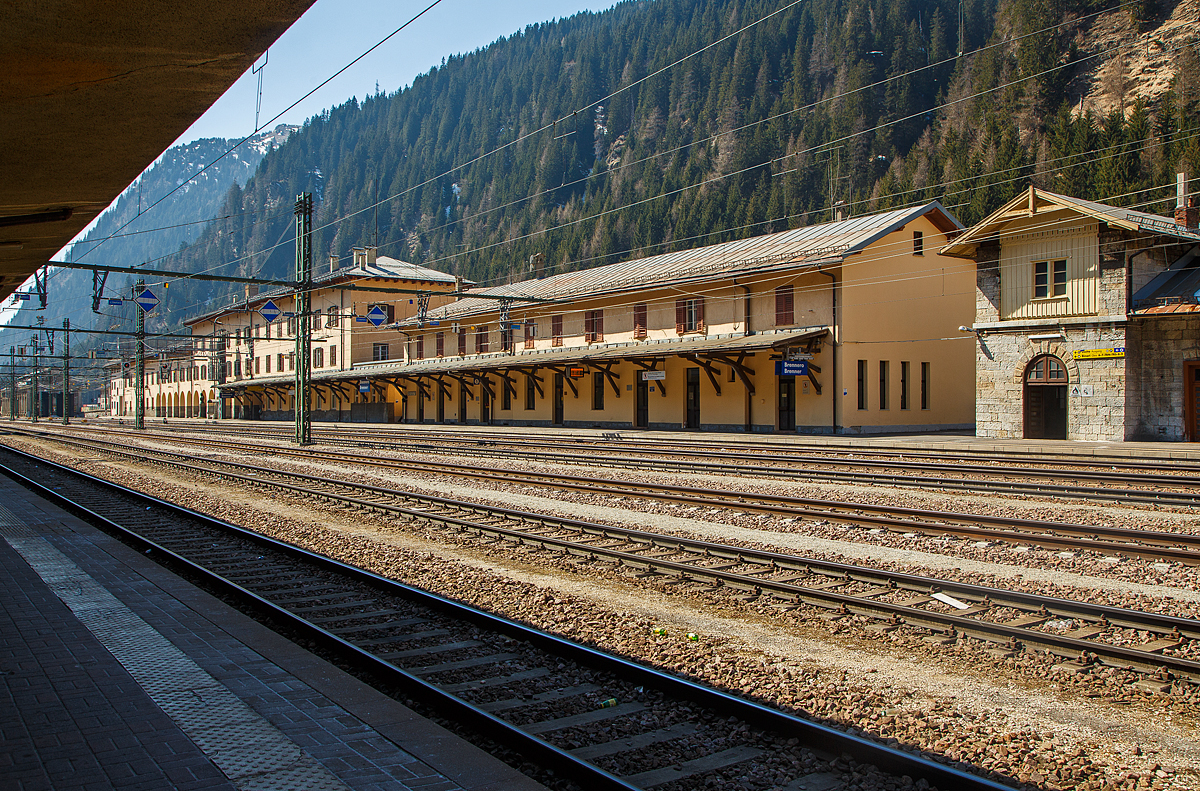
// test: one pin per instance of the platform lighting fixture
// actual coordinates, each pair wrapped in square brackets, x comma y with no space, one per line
[1050,336]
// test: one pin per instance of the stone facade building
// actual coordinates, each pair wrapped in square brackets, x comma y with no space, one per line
[1087,320]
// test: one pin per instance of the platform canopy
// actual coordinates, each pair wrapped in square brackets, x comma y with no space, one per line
[94,91]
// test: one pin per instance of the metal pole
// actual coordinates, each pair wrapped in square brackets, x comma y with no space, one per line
[12,383]
[300,402]
[139,382]
[66,372]
[34,406]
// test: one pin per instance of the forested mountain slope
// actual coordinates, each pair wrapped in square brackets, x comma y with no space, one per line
[862,101]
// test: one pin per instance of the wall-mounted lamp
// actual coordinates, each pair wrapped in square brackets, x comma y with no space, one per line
[1053,336]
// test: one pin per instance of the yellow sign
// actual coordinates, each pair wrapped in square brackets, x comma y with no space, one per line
[1099,354]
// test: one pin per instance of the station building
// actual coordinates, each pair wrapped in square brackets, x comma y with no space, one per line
[1086,319]
[843,327]
[238,365]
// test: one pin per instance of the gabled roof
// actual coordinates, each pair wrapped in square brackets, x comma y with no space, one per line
[808,246]
[384,268]
[1035,201]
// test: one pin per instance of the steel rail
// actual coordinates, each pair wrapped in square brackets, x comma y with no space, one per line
[818,737]
[1164,545]
[1185,498]
[985,596]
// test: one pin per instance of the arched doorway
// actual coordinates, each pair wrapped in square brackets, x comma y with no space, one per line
[1046,398]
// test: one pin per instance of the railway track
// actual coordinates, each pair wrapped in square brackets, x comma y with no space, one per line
[1161,647]
[669,442]
[1152,545]
[597,719]
[1119,482]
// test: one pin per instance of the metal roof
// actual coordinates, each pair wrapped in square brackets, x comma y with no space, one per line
[612,352]
[1174,290]
[807,246]
[1034,200]
[384,268]
[388,267]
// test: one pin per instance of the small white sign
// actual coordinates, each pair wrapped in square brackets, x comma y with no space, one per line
[1088,391]
[1076,391]
[650,376]
[946,598]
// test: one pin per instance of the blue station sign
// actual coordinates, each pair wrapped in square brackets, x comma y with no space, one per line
[791,368]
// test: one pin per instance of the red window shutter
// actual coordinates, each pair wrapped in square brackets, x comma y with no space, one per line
[420,347]
[598,325]
[441,344]
[462,343]
[784,306]
[529,342]
[556,331]
[680,315]
[699,315]
[639,321]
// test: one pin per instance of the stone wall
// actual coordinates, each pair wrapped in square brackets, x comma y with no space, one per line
[1000,364]
[1163,344]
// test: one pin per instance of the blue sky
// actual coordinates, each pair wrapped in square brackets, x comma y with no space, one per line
[334,32]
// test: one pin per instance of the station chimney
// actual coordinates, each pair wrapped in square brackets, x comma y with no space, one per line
[1187,213]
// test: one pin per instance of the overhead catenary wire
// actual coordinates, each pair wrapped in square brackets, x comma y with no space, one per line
[657,72]
[184,275]
[277,116]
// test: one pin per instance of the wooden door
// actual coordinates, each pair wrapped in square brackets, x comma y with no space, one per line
[787,403]
[1191,400]
[693,398]
[641,417]
[558,399]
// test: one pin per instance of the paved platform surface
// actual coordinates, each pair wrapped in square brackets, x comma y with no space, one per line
[116,674]
[949,442]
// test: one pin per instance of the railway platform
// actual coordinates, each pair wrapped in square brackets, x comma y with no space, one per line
[947,441]
[114,673]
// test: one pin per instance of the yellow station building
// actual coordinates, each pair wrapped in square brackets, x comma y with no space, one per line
[846,327]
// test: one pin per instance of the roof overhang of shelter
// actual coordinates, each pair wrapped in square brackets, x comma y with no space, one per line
[93,92]
[606,354]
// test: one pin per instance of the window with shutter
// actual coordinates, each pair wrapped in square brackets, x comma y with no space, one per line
[785,314]
[593,326]
[441,344]
[689,315]
[481,339]
[332,356]
[420,347]
[556,331]
[530,333]
[462,343]
[639,322]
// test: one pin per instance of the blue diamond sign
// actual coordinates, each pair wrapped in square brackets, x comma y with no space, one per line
[146,300]
[376,316]
[270,311]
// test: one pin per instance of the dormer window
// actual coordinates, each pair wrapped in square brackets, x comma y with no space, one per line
[1049,279]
